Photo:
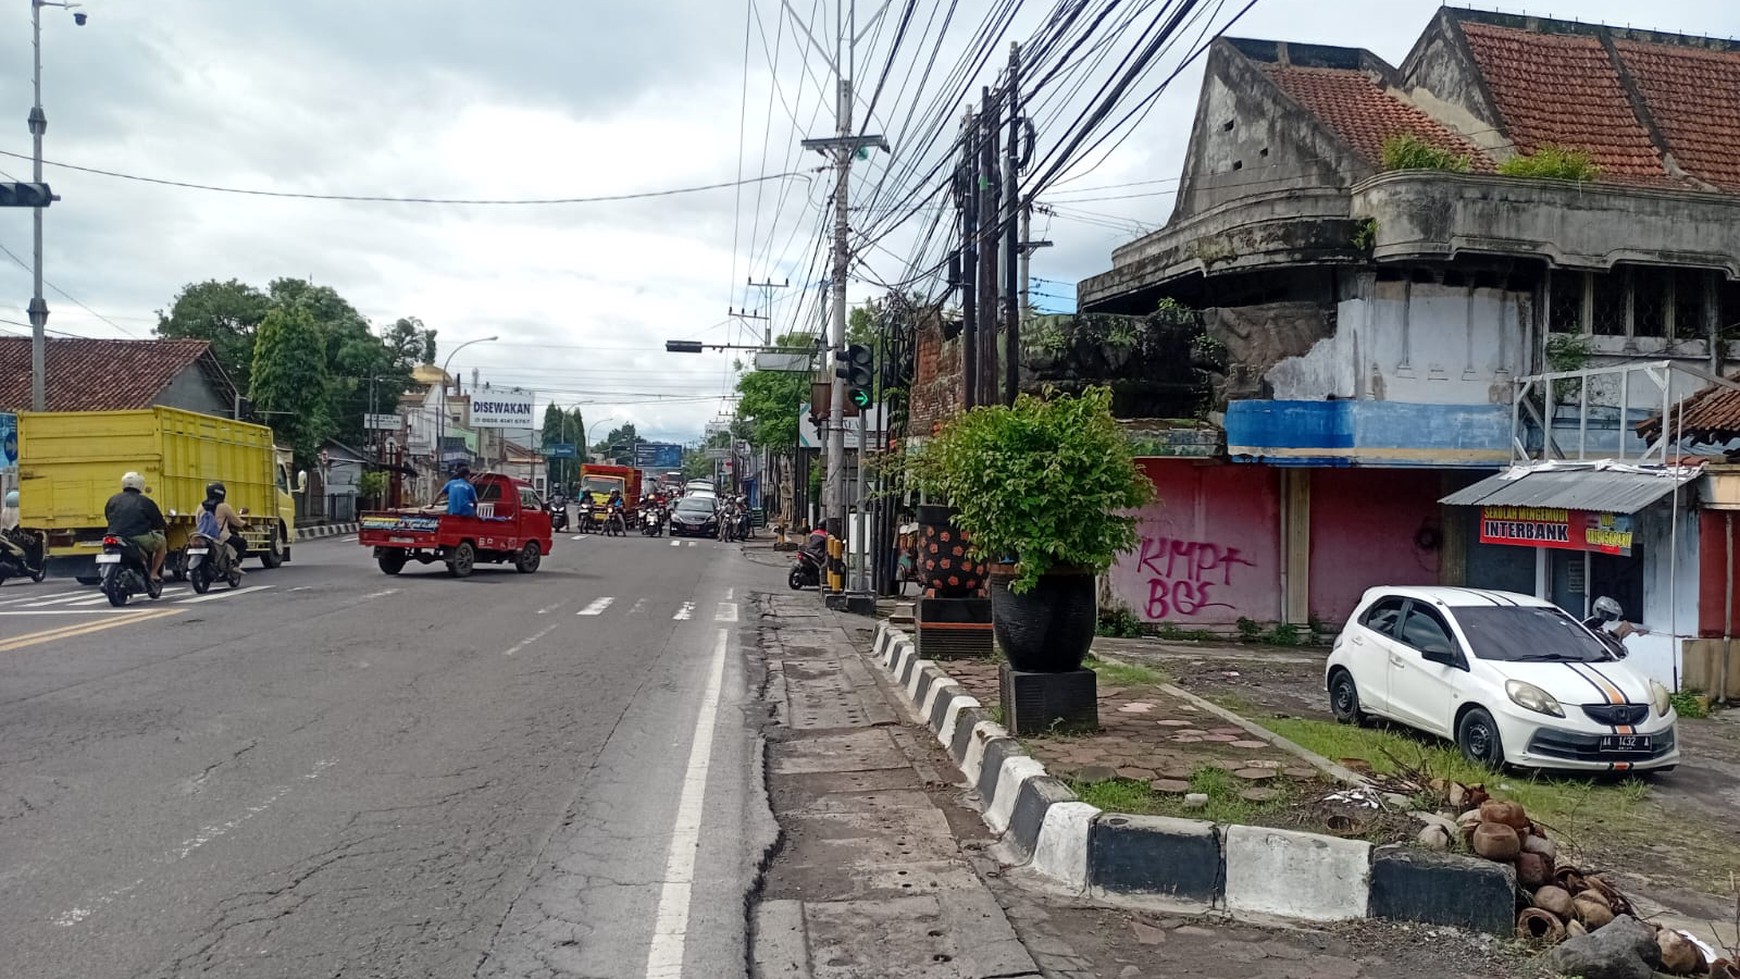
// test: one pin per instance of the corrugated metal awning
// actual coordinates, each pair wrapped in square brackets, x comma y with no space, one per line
[1607,488]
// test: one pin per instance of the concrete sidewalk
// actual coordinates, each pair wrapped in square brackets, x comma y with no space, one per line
[870,878]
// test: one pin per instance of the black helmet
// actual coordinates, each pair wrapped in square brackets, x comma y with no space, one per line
[215,491]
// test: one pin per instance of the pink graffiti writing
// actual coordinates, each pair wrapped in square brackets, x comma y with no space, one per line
[1182,574]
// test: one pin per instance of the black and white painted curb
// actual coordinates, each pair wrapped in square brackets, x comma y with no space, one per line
[325,530]
[1183,862]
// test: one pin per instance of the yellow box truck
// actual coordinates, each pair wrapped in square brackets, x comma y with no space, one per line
[71,462]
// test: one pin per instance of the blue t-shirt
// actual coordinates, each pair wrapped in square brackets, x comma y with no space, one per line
[461,497]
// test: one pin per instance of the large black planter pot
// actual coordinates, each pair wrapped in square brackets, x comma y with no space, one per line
[1051,628]
[945,568]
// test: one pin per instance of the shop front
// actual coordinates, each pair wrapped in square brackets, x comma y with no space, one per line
[1599,529]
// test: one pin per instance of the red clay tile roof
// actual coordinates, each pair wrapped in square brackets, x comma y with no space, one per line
[1363,114]
[1563,90]
[1694,95]
[95,375]
[1714,412]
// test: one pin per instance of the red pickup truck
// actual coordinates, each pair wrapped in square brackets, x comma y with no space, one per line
[511,525]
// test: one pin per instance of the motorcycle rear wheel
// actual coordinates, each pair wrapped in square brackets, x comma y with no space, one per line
[199,576]
[796,579]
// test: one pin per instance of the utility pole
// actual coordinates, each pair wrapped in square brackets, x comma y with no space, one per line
[1012,236]
[990,179]
[767,304]
[969,205]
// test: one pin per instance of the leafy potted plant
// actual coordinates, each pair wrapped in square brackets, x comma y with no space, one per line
[1043,489]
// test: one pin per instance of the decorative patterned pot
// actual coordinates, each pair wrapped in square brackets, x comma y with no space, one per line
[945,568]
[1051,628]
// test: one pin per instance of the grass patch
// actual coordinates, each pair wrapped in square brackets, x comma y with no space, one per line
[997,714]
[1222,787]
[1126,674]
[1125,795]
[1408,152]
[1552,163]
[1691,704]
[1608,819]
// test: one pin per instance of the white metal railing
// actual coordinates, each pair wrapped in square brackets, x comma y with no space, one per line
[1613,393]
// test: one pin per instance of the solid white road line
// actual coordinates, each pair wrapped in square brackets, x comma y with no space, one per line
[664,960]
[216,595]
[727,612]
[597,607]
[523,643]
[686,612]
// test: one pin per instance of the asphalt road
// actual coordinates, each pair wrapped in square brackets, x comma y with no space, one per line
[333,773]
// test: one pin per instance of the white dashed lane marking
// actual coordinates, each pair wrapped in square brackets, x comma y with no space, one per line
[597,607]
[686,612]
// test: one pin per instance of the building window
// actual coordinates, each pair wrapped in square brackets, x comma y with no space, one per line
[1689,304]
[1607,298]
[1728,310]
[1651,299]
[1565,312]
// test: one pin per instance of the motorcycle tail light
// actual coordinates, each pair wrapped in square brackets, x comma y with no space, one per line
[111,542]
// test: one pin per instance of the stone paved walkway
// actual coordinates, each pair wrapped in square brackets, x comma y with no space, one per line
[1150,736]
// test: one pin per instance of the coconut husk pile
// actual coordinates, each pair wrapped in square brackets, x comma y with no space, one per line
[1558,899]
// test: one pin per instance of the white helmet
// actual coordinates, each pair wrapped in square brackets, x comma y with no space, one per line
[133,481]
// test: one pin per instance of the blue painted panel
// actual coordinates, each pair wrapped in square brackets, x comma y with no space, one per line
[1371,433]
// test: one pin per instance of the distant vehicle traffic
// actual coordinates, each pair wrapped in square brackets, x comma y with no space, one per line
[695,516]
[1510,678]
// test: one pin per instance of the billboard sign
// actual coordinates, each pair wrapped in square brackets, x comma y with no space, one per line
[8,442]
[810,438]
[381,423]
[658,455]
[501,409]
[562,450]
[1565,530]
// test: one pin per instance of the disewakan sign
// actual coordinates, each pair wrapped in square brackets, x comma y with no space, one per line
[1568,530]
[501,409]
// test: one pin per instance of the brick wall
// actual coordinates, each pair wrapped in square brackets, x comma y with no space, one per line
[937,378]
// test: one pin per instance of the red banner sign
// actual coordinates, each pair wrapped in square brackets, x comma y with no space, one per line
[1569,530]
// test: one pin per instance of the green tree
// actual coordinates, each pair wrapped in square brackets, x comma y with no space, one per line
[769,401]
[567,426]
[619,445]
[289,381]
[226,314]
[411,342]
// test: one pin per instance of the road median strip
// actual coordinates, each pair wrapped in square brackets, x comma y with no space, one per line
[1194,864]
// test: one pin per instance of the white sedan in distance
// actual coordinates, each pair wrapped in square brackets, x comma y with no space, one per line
[1510,678]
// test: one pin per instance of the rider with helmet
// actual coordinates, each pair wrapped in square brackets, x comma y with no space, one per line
[134,516]
[220,522]
[26,545]
[1609,626]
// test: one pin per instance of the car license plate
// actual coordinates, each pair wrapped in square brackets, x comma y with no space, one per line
[401,540]
[198,551]
[108,559]
[1627,742]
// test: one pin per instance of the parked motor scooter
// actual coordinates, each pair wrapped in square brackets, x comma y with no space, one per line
[17,560]
[806,572]
[123,571]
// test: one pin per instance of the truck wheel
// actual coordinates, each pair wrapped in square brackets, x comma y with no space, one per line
[462,560]
[529,558]
[273,555]
[391,562]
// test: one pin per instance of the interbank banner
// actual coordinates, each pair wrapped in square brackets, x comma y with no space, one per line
[1569,530]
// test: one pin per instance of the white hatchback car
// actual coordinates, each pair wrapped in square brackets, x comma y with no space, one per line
[1510,678]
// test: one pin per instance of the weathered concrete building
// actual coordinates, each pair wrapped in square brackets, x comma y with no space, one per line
[1384,281]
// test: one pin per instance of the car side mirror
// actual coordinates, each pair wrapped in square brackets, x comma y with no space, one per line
[1440,654]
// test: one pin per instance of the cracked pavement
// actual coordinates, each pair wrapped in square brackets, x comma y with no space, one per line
[356,775]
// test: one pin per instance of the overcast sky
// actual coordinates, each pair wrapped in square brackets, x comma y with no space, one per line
[560,99]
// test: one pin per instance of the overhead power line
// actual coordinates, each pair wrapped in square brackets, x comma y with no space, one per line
[391,199]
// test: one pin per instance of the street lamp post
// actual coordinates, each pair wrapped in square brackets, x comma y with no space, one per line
[441,419]
[38,308]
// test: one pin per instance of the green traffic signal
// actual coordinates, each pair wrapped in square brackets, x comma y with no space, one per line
[859,397]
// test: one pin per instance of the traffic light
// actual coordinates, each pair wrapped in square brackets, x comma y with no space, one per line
[857,373]
[25,195]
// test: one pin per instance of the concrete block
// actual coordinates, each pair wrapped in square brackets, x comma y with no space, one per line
[898,652]
[1175,858]
[1408,884]
[1061,852]
[1297,875]
[929,677]
[1015,771]
[1037,795]
[884,633]
[957,708]
[936,702]
[913,677]
[981,735]
[997,750]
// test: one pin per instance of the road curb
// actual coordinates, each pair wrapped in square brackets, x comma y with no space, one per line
[1129,858]
[325,530]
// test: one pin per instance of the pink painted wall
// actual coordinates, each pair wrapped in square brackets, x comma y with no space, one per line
[1209,553]
[1364,525]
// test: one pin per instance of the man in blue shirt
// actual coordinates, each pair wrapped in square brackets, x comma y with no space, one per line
[461,495]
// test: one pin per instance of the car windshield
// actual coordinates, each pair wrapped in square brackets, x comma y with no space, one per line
[601,484]
[695,505]
[1528,634]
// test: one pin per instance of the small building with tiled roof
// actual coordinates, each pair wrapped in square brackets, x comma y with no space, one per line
[1378,326]
[85,374]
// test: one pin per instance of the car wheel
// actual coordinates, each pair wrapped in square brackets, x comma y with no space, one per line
[462,560]
[1477,736]
[529,558]
[1344,698]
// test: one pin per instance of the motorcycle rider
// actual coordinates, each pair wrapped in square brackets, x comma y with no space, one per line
[27,546]
[135,517]
[219,521]
[617,506]
[1609,625]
